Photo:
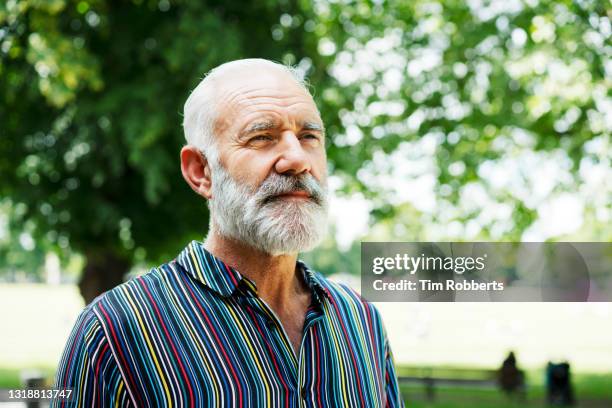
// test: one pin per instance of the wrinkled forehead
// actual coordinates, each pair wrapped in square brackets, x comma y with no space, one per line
[242,96]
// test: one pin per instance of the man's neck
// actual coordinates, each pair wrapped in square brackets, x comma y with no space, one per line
[275,276]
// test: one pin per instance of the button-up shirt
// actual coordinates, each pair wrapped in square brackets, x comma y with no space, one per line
[194,332]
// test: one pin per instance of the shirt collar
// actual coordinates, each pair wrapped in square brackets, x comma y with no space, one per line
[224,280]
[314,283]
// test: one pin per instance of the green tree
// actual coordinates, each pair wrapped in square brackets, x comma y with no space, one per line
[92,92]
[491,84]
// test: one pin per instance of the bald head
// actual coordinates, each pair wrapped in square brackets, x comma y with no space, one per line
[201,115]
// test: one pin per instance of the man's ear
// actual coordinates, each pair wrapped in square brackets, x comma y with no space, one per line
[196,171]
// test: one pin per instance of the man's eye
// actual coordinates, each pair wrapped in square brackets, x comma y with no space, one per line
[260,138]
[310,136]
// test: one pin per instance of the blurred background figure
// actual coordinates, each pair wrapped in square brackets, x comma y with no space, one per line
[559,385]
[511,378]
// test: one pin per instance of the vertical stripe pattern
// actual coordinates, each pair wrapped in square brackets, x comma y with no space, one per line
[194,332]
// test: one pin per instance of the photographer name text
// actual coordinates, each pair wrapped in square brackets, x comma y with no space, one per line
[429,285]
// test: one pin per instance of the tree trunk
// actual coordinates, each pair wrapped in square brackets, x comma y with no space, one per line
[103,271]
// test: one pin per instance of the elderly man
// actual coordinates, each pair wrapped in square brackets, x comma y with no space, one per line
[238,320]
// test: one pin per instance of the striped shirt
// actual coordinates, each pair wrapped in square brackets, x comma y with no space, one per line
[194,332]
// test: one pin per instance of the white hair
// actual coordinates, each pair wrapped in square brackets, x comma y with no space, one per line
[199,112]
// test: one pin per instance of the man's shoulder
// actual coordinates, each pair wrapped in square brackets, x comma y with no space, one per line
[342,295]
[128,298]
[338,290]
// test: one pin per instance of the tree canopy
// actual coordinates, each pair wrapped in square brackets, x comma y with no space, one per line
[92,93]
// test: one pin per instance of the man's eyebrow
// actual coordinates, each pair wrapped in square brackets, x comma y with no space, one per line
[313,126]
[265,125]
[258,127]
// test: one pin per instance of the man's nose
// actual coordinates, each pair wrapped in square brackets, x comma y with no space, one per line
[293,159]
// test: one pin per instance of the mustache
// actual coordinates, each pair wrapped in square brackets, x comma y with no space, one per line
[276,184]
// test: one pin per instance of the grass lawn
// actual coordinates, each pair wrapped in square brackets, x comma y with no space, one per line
[474,398]
[11,377]
[591,390]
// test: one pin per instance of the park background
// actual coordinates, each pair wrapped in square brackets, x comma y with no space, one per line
[446,121]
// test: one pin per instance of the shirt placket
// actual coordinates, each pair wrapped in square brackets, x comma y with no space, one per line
[313,316]
[281,341]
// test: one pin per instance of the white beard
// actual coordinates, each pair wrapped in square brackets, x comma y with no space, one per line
[256,217]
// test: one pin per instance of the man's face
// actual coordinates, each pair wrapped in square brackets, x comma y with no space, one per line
[269,189]
[266,123]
